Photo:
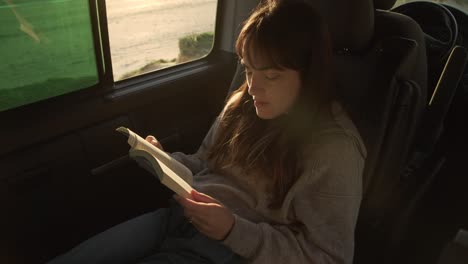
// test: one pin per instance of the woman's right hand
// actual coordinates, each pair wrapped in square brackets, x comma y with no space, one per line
[153,141]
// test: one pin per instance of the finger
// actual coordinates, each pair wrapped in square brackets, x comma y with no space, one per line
[150,138]
[198,220]
[153,141]
[190,207]
[204,198]
[189,203]
[199,223]
[201,217]
[202,212]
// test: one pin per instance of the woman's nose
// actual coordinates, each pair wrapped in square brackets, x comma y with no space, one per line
[254,84]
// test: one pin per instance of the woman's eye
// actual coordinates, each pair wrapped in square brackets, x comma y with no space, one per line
[271,76]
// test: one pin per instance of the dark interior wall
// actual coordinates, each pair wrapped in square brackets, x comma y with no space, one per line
[49,197]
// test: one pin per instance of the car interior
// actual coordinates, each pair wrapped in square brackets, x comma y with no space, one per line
[401,73]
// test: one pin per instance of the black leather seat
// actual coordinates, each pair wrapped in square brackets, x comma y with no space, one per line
[388,113]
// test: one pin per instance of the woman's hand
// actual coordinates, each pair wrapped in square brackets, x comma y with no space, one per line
[207,214]
[153,141]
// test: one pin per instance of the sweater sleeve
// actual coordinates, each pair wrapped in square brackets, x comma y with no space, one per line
[197,162]
[324,204]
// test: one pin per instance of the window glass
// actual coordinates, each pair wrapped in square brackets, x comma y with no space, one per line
[147,35]
[46,49]
[461,4]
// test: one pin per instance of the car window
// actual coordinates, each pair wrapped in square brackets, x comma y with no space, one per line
[46,49]
[147,35]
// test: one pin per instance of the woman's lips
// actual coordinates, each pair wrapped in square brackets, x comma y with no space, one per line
[260,103]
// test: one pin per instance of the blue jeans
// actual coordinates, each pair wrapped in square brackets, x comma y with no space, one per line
[163,236]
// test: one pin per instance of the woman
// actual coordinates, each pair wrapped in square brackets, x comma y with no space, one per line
[278,175]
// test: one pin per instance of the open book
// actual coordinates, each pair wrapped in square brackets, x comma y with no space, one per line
[169,171]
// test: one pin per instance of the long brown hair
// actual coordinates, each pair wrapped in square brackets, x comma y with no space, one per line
[289,34]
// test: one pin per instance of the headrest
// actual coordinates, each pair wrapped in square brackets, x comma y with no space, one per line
[384,4]
[351,22]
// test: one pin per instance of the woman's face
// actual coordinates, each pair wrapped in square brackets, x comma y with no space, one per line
[273,90]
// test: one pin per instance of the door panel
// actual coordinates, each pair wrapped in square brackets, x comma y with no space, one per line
[49,150]
[37,188]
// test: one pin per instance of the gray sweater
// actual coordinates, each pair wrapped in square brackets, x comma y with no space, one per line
[316,221]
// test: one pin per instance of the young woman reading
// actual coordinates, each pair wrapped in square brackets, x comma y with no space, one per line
[278,176]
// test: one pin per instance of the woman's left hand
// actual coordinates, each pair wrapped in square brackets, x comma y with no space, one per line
[207,214]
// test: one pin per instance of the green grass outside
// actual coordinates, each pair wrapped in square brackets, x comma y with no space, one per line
[46,50]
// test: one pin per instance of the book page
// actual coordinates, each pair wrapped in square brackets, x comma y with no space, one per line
[137,142]
[175,183]
[166,176]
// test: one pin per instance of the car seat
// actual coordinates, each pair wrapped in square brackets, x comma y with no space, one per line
[381,74]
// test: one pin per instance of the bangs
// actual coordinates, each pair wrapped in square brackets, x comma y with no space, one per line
[262,42]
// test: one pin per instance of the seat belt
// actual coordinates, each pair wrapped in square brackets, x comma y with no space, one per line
[456,252]
[432,125]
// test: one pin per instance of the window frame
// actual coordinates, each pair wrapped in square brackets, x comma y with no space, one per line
[108,89]
[139,82]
